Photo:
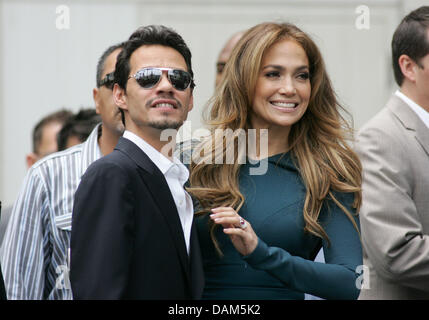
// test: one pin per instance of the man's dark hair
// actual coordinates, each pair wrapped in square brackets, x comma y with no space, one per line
[102,61]
[410,38]
[57,117]
[150,35]
[80,126]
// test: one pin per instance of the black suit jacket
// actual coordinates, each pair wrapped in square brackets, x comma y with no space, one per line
[127,240]
[2,289]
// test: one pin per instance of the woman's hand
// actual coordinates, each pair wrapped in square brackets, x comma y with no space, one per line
[239,230]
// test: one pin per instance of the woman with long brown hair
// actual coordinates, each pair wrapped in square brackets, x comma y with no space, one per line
[260,231]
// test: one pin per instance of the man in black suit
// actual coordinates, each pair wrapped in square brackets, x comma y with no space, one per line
[132,230]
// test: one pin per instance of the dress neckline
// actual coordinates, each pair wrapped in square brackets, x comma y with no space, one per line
[272,157]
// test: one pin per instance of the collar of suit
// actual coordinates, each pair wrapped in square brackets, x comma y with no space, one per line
[410,120]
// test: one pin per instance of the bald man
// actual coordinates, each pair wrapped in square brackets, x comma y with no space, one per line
[225,54]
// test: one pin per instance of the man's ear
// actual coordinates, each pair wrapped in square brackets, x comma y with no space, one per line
[96,97]
[31,159]
[408,67]
[191,102]
[120,97]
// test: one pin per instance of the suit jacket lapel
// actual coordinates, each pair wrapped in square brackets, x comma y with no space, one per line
[158,187]
[422,136]
[411,121]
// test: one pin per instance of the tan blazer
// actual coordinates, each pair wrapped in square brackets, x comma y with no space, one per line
[394,219]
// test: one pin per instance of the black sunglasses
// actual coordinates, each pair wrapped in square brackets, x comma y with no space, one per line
[108,81]
[149,77]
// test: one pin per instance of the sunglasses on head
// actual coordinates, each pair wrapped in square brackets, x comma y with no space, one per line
[148,78]
[108,81]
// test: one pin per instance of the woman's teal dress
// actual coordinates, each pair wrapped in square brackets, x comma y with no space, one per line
[282,266]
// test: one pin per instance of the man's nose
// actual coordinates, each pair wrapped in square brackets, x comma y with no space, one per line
[164,83]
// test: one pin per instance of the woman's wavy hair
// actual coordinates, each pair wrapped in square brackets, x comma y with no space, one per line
[317,142]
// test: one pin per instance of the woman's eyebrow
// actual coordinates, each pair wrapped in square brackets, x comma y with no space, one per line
[281,68]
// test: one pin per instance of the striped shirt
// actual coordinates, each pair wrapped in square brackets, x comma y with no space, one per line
[35,249]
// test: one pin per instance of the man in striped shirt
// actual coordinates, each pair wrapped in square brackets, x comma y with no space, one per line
[35,250]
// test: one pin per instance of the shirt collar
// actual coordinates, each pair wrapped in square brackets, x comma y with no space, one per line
[421,113]
[90,148]
[163,163]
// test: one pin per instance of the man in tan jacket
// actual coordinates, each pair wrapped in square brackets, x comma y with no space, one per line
[394,149]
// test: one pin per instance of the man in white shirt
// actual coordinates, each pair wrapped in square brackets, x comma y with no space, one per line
[44,140]
[394,149]
[34,254]
[132,234]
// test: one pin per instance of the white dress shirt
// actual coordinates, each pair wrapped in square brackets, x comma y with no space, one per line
[422,113]
[176,175]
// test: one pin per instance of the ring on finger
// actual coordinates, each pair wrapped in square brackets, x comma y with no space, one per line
[243,223]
